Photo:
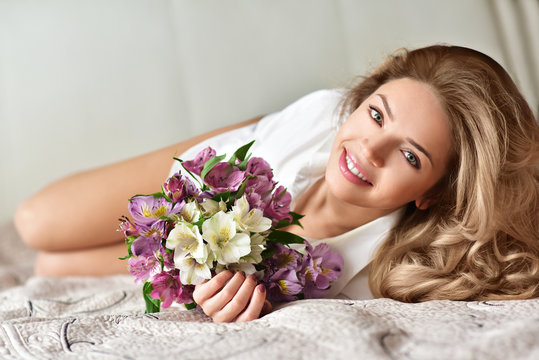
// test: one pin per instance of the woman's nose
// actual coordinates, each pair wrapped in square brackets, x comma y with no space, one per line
[374,151]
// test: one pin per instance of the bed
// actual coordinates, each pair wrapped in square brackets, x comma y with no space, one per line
[103,318]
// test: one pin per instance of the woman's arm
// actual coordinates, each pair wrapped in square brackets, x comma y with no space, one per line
[81,211]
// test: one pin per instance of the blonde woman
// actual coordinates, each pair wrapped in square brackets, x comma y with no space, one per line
[424,177]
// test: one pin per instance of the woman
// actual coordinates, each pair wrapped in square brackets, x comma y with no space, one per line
[435,165]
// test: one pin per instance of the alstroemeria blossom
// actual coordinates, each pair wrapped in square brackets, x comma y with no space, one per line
[197,164]
[144,268]
[211,207]
[224,177]
[178,187]
[190,212]
[321,266]
[168,288]
[249,219]
[279,206]
[227,245]
[149,209]
[194,271]
[185,239]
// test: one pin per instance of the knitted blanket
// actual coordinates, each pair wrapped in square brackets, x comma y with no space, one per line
[103,318]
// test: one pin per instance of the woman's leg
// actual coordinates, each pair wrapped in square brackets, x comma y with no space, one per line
[93,262]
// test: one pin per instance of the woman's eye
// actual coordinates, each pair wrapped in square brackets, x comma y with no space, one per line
[412,159]
[375,115]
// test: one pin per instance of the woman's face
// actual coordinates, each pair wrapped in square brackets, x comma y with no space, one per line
[392,149]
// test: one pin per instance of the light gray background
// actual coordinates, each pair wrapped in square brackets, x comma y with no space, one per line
[89,82]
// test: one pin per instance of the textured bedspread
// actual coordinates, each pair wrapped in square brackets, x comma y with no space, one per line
[102,318]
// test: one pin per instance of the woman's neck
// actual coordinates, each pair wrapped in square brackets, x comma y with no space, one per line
[327,216]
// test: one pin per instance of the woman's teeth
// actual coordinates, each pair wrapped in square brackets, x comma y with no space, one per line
[355,171]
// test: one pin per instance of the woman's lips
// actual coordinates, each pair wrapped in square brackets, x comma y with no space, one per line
[348,166]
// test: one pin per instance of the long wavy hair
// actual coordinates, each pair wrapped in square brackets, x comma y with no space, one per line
[480,241]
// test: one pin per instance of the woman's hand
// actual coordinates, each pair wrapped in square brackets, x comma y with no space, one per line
[229,297]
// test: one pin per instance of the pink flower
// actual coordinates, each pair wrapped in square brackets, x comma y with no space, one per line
[178,187]
[197,164]
[144,268]
[127,227]
[259,167]
[224,177]
[168,288]
[279,207]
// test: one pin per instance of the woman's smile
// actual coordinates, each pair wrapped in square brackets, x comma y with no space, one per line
[352,171]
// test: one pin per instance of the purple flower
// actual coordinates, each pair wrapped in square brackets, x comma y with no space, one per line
[146,210]
[144,268]
[178,187]
[259,167]
[284,258]
[224,177]
[284,285]
[279,207]
[143,246]
[168,288]
[197,164]
[258,192]
[127,227]
[320,267]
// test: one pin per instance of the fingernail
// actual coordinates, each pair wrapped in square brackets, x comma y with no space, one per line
[242,273]
[261,289]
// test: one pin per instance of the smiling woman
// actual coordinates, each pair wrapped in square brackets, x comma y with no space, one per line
[423,177]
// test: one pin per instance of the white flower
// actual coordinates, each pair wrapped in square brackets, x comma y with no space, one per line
[211,207]
[247,268]
[185,239]
[257,246]
[190,212]
[192,271]
[227,245]
[249,220]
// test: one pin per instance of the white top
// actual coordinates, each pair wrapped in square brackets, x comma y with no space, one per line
[296,142]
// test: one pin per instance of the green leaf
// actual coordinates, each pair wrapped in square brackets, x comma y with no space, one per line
[240,154]
[155,195]
[210,164]
[165,194]
[191,305]
[189,172]
[295,220]
[152,305]
[224,196]
[285,237]
[267,253]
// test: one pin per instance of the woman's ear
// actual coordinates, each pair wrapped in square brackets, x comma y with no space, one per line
[424,202]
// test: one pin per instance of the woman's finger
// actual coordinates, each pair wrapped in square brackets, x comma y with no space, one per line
[217,302]
[208,289]
[256,305]
[238,304]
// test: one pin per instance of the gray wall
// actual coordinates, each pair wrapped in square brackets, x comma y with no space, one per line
[89,82]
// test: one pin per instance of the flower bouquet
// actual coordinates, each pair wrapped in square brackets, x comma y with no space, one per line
[221,215]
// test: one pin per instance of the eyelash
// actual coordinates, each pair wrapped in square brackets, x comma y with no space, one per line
[373,111]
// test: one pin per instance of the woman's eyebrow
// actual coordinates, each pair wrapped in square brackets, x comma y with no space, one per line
[386,105]
[415,144]
[422,149]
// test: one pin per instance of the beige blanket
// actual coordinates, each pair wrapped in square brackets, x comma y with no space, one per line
[103,318]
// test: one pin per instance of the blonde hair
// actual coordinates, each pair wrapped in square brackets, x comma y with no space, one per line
[480,240]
